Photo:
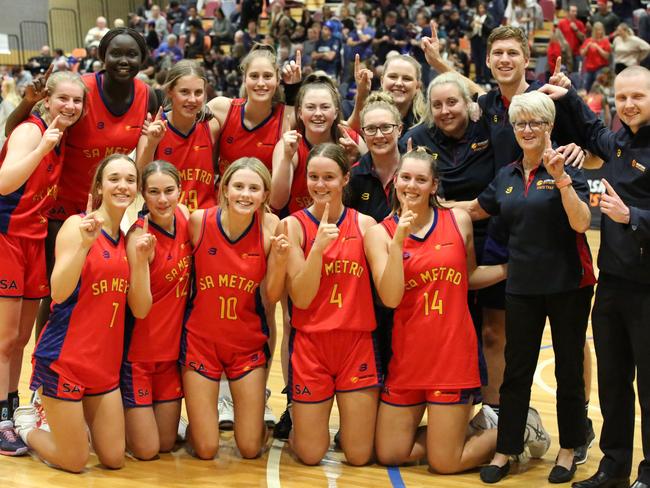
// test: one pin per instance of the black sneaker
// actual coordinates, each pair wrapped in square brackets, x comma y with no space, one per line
[282,429]
[582,453]
[337,440]
[10,443]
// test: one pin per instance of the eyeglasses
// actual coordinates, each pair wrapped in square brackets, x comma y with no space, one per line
[534,125]
[385,129]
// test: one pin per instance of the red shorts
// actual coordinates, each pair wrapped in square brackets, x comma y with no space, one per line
[22,268]
[57,386]
[323,363]
[405,397]
[144,383]
[211,359]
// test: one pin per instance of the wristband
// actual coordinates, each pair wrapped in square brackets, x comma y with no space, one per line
[564,181]
[290,93]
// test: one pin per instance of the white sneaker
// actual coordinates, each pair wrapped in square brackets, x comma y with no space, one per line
[181,433]
[25,420]
[38,405]
[485,419]
[226,413]
[269,418]
[536,438]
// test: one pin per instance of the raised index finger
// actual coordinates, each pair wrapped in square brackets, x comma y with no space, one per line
[145,226]
[357,64]
[89,205]
[299,58]
[434,30]
[159,114]
[55,122]
[558,66]
[326,214]
[48,73]
[549,144]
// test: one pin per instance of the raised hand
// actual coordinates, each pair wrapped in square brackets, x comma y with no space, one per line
[553,91]
[431,46]
[362,78]
[90,226]
[573,154]
[558,78]
[155,129]
[553,160]
[37,90]
[612,205]
[406,219]
[52,136]
[145,243]
[291,140]
[292,71]
[280,243]
[351,147]
[327,232]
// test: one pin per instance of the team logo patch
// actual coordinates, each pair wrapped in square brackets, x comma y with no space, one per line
[168,151]
[479,146]
[230,140]
[365,196]
[198,148]
[50,168]
[8,285]
[619,152]
[363,367]
[246,255]
[406,255]
[637,165]
[212,251]
[132,127]
[169,257]
[100,125]
[106,254]
[508,190]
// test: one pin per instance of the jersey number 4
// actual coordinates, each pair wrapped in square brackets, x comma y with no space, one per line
[336,298]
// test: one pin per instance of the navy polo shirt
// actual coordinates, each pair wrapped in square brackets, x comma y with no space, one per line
[365,192]
[546,254]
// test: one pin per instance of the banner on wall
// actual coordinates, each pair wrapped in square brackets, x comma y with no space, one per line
[596,189]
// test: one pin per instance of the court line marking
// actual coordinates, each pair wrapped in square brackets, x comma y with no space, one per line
[395,477]
[273,464]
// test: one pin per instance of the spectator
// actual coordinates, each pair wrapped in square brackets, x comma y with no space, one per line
[168,52]
[605,16]
[390,36]
[418,31]
[136,23]
[235,17]
[176,15]
[629,50]
[97,66]
[160,22]
[192,14]
[558,47]
[86,65]
[151,36]
[39,64]
[644,25]
[222,30]
[481,25]
[624,9]
[144,10]
[194,43]
[251,36]
[596,53]
[360,39]
[457,57]
[10,100]
[96,33]
[497,9]
[60,61]
[326,56]
[583,7]
[520,13]
[309,47]
[574,31]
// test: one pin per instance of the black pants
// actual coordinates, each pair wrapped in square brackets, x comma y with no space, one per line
[526,315]
[621,324]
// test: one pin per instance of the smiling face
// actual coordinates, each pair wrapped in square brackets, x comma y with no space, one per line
[317,110]
[632,98]
[161,194]
[450,112]
[261,80]
[187,96]
[67,102]
[401,81]
[530,132]
[325,180]
[245,192]
[119,184]
[122,59]
[380,143]
[507,62]
[414,183]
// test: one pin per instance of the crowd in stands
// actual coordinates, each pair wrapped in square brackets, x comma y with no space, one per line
[595,41]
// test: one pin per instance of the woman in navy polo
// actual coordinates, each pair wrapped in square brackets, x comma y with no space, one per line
[550,274]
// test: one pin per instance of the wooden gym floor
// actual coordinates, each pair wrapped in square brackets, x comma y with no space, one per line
[278,468]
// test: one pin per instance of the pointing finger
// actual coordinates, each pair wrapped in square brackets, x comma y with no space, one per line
[145,226]
[609,189]
[48,73]
[549,144]
[89,206]
[409,144]
[299,58]
[285,231]
[434,30]
[159,114]
[55,123]
[558,66]
[357,64]
[326,214]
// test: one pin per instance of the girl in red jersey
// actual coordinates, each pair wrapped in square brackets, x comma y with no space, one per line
[184,136]
[30,167]
[332,348]
[150,379]
[236,255]
[253,124]
[77,358]
[422,261]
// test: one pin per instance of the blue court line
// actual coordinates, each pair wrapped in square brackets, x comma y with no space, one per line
[548,346]
[395,477]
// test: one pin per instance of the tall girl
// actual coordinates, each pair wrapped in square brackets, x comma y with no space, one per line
[184,135]
[422,261]
[150,379]
[77,358]
[30,167]
[236,258]
[332,347]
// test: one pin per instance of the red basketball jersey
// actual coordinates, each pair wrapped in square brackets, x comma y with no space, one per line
[344,298]
[85,334]
[23,213]
[99,133]
[226,305]
[299,195]
[192,155]
[236,141]
[157,337]
[434,341]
